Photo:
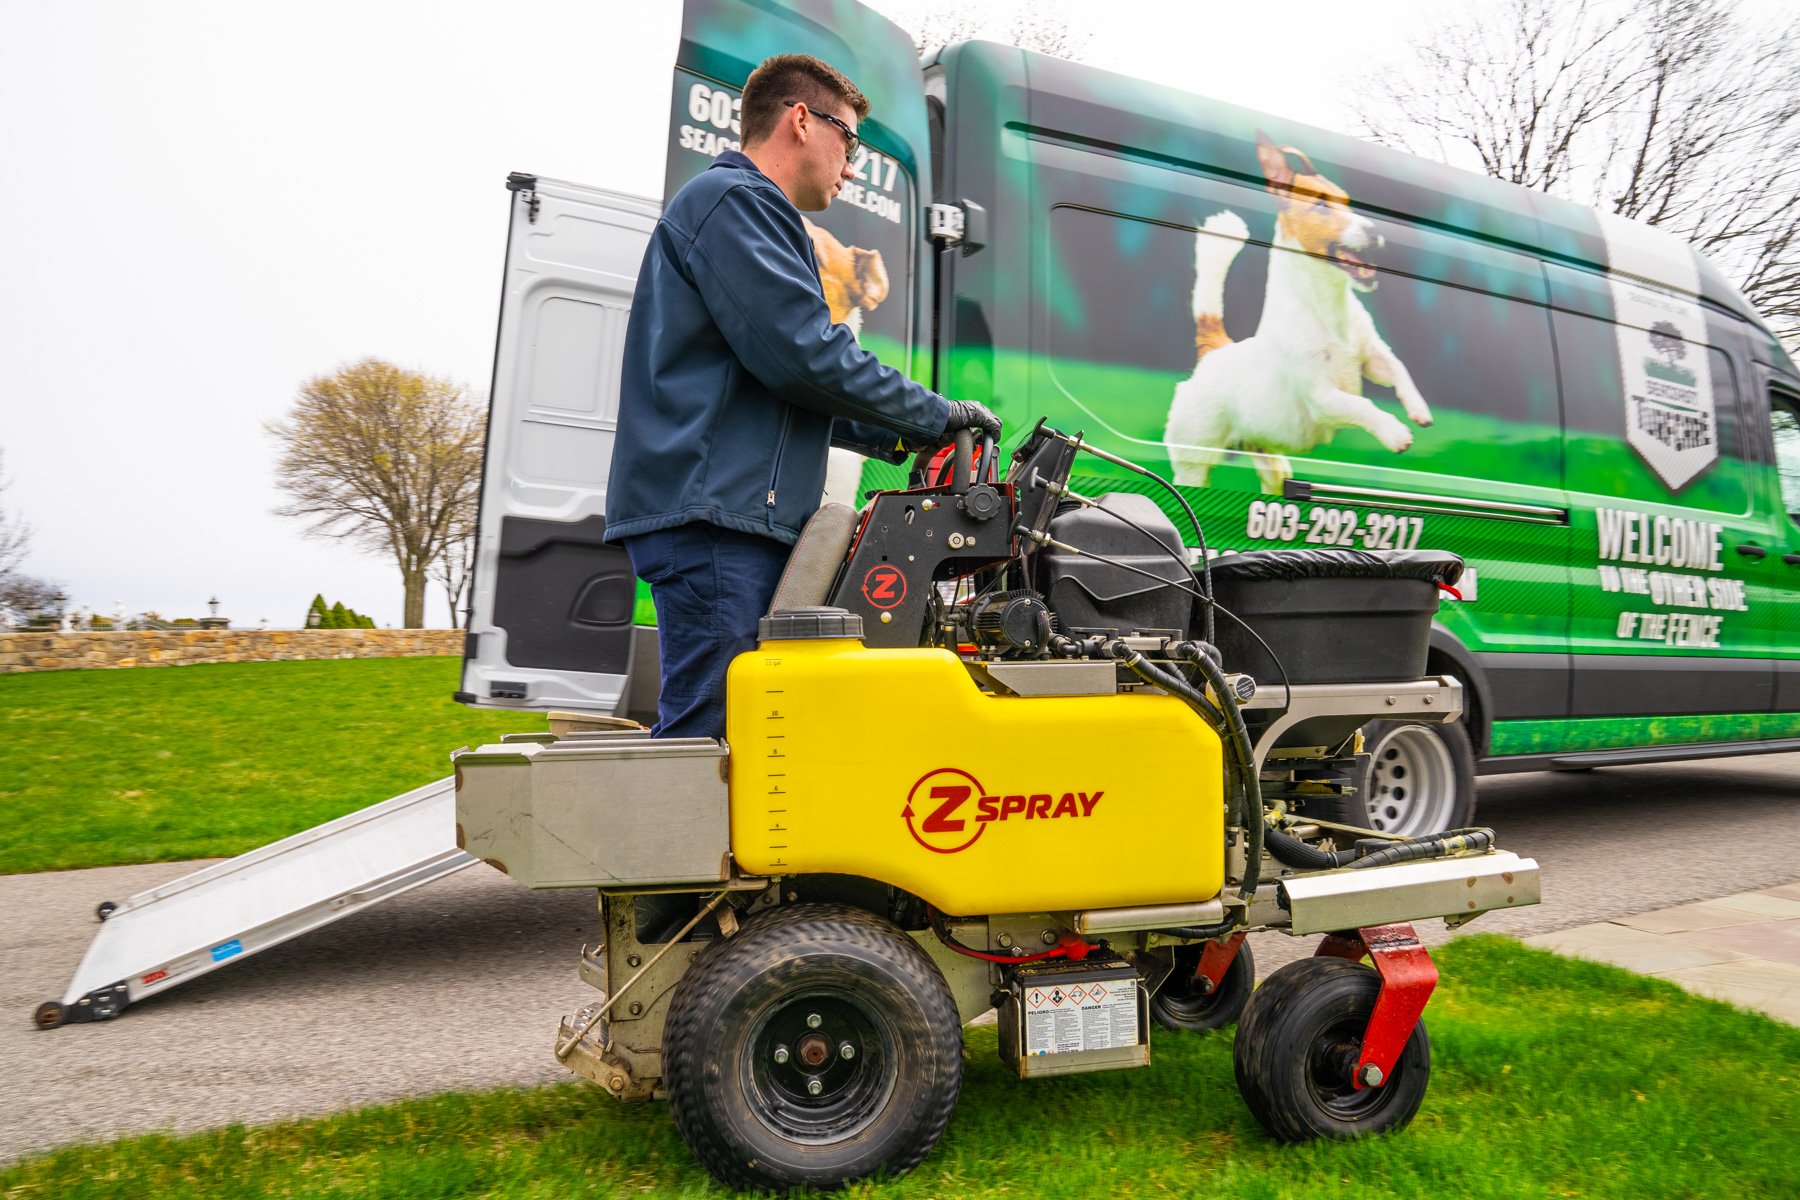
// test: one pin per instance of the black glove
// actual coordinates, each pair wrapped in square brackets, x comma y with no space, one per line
[966,414]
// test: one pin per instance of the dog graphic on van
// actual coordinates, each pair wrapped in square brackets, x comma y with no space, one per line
[1299,379]
[853,279]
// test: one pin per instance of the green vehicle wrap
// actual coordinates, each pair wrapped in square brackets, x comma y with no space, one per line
[1326,342]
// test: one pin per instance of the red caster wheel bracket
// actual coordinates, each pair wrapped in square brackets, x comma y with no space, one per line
[1215,960]
[1408,977]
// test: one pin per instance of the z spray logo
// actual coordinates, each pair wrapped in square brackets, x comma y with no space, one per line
[884,587]
[948,810]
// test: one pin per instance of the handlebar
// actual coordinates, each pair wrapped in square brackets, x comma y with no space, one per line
[966,468]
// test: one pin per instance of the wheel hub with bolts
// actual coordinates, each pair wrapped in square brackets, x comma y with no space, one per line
[1412,782]
[867,1083]
[810,1068]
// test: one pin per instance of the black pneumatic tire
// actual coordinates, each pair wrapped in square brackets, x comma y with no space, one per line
[1180,1006]
[748,1117]
[1297,1043]
[1421,778]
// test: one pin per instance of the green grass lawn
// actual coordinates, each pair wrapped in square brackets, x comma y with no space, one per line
[153,765]
[1552,1078]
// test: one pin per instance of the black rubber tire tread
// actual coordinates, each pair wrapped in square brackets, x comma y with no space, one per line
[1284,1015]
[1455,737]
[700,1052]
[1173,1007]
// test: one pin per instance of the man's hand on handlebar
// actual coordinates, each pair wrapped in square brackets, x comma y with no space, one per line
[966,414]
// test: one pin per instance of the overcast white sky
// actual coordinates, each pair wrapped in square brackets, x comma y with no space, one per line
[207,203]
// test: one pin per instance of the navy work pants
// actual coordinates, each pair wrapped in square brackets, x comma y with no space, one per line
[710,585]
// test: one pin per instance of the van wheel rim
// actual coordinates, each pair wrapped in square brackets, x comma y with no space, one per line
[1412,783]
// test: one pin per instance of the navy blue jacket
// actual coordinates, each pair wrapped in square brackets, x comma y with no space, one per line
[736,380]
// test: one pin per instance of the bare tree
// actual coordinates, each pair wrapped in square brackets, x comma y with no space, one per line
[15,534]
[1679,113]
[1047,26]
[27,595]
[21,596]
[454,569]
[385,457]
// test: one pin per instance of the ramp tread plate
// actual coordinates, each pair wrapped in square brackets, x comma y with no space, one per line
[230,910]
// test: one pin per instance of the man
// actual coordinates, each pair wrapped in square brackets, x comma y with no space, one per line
[736,384]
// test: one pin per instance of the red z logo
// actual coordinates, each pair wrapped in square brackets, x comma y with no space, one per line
[938,821]
[940,793]
[884,586]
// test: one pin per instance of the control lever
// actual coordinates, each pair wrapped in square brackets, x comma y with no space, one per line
[961,462]
[962,459]
[986,471]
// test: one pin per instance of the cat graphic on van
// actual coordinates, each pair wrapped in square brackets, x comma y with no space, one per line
[1298,380]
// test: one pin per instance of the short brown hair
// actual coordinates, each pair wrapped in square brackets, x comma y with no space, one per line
[800,77]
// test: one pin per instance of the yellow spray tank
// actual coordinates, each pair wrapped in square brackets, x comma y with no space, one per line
[894,765]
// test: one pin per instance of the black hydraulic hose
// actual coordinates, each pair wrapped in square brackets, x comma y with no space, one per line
[1254,821]
[1440,845]
[1246,795]
[1296,853]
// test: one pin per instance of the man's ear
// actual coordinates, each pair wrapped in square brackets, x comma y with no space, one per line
[1274,162]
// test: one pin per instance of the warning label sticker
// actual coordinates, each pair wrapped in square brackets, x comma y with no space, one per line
[1096,1016]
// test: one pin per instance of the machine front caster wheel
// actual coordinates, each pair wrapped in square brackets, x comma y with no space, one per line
[1180,1005]
[106,908]
[817,1046]
[49,1014]
[1298,1042]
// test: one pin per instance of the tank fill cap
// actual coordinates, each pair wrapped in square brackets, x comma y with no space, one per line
[794,624]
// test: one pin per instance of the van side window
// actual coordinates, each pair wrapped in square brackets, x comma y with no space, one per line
[1784,423]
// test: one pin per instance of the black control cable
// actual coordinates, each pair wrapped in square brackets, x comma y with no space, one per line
[1044,539]
[1082,447]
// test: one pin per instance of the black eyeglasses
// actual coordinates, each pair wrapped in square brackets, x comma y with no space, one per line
[852,139]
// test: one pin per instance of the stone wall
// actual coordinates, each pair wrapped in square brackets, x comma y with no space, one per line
[73,651]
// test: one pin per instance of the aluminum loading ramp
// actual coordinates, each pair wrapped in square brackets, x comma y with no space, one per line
[231,910]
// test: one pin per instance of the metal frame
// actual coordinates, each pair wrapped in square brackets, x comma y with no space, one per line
[1434,700]
[1457,889]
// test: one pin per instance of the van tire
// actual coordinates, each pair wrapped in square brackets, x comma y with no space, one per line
[1420,778]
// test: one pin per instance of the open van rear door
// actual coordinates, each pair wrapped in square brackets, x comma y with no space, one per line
[556,617]
[552,621]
